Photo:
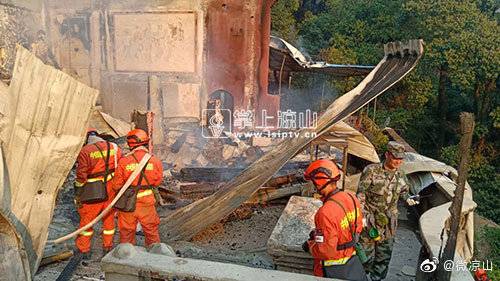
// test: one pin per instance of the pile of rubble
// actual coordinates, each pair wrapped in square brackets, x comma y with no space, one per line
[188,148]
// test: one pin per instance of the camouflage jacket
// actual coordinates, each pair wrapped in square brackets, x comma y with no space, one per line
[378,192]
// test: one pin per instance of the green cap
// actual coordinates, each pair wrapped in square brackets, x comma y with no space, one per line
[396,149]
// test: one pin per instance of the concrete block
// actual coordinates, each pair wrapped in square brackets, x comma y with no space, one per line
[292,229]
[121,277]
[294,225]
[146,266]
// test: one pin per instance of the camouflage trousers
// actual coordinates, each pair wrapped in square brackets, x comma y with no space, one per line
[379,255]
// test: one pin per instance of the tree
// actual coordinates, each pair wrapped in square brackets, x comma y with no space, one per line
[458,72]
[461,51]
[283,22]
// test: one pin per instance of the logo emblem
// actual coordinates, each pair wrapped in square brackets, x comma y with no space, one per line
[215,124]
[428,265]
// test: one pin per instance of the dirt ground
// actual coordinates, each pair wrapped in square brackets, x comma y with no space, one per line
[244,235]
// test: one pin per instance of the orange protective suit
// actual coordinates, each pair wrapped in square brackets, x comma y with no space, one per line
[334,227]
[145,211]
[91,167]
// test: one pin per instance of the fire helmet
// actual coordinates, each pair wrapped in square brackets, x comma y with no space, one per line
[92,131]
[137,137]
[322,172]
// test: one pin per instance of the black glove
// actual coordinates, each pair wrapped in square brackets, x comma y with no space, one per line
[312,234]
[305,247]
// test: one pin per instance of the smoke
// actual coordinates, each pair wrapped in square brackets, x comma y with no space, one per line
[308,91]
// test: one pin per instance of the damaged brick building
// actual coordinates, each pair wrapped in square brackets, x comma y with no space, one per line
[194,50]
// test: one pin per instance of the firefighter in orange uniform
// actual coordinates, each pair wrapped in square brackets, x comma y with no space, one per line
[137,205]
[95,168]
[338,225]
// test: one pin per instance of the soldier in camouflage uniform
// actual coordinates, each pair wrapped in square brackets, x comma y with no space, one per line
[380,187]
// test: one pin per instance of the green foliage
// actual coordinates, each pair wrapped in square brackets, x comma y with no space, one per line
[361,28]
[449,155]
[488,239]
[484,179]
[495,117]
[485,182]
[374,134]
[458,72]
[283,19]
[462,39]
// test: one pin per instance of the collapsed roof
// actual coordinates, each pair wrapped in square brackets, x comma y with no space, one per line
[399,60]
[283,55]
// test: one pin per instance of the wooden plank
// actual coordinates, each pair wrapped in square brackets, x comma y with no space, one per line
[46,128]
[467,128]
[396,137]
[62,255]
[120,127]
[95,50]
[218,174]
[399,60]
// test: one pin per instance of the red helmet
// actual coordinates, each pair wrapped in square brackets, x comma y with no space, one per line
[322,172]
[137,137]
[481,275]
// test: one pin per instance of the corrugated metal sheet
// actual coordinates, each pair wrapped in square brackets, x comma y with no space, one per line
[283,53]
[42,137]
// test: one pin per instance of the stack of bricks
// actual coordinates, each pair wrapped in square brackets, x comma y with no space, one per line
[292,229]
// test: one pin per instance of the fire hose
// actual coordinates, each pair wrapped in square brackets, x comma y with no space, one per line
[129,181]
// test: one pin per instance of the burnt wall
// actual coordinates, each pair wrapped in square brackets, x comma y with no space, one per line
[238,53]
[19,24]
[192,50]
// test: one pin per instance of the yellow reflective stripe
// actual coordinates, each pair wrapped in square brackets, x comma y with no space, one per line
[94,179]
[144,193]
[338,261]
[78,184]
[108,232]
[110,177]
[350,217]
[97,154]
[132,166]
[87,233]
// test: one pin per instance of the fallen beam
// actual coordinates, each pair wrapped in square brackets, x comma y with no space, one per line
[65,254]
[224,174]
[393,135]
[399,60]
[264,194]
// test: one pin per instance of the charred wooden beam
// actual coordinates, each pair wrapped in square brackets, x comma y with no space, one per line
[266,194]
[223,174]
